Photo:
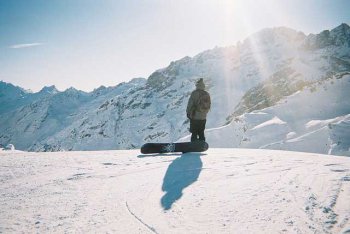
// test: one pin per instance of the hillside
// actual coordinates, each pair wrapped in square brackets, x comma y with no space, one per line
[219,191]
[315,119]
[256,73]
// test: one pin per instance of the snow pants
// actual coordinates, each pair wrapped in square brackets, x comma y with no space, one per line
[197,129]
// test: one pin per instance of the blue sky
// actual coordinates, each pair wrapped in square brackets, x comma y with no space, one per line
[88,43]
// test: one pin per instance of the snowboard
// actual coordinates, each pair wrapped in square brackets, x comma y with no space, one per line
[184,147]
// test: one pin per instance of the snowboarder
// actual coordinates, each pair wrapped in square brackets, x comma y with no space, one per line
[197,109]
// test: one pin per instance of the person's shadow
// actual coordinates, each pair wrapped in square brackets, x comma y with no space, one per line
[181,173]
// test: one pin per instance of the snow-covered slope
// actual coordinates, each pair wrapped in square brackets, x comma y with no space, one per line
[219,191]
[315,119]
[255,74]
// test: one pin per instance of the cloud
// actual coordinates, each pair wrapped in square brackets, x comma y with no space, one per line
[20,46]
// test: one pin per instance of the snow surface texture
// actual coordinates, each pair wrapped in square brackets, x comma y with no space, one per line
[218,191]
[253,75]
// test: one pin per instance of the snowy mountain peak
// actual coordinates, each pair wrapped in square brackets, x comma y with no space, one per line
[49,89]
[138,81]
[8,88]
[102,87]
[339,36]
[72,91]
[272,36]
[342,29]
[251,77]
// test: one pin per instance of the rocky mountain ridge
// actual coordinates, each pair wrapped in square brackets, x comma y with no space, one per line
[251,75]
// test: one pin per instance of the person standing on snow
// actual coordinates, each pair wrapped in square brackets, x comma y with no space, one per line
[197,109]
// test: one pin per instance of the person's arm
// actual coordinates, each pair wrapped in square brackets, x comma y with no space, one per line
[190,106]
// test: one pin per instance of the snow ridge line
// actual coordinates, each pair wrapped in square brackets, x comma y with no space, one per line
[140,220]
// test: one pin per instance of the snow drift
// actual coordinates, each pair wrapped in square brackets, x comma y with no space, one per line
[314,120]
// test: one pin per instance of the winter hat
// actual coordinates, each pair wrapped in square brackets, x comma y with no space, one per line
[200,84]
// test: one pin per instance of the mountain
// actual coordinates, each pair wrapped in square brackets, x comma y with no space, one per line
[9,95]
[218,191]
[315,119]
[255,74]
[338,37]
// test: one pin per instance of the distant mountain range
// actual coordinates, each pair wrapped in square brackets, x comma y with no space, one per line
[255,76]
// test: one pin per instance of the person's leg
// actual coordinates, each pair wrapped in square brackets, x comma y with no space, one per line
[193,136]
[194,130]
[201,129]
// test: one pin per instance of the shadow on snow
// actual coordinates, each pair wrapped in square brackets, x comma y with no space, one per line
[158,155]
[181,173]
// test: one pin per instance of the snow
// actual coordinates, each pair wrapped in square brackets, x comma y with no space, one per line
[271,122]
[267,67]
[218,191]
[282,90]
[316,121]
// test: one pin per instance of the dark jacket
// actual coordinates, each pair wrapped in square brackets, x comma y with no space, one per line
[192,110]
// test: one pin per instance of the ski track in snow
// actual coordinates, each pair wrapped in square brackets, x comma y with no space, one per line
[139,219]
[218,191]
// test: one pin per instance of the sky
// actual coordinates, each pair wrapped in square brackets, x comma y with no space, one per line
[89,43]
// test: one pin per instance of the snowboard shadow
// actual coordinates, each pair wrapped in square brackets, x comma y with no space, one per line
[158,155]
[181,173]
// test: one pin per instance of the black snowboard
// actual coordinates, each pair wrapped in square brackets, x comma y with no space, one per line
[184,147]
